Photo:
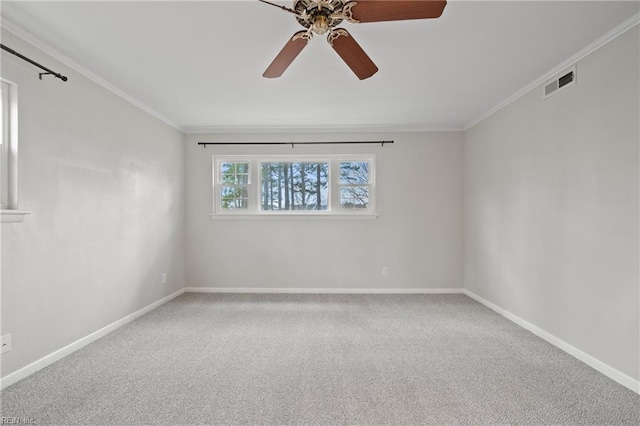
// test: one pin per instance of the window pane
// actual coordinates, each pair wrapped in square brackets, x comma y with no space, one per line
[354,172]
[3,168]
[294,186]
[236,173]
[4,148]
[234,198]
[354,197]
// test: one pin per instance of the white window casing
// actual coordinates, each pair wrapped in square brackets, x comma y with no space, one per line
[297,186]
[9,211]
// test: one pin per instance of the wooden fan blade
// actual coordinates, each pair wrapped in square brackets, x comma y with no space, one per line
[352,54]
[396,10]
[286,56]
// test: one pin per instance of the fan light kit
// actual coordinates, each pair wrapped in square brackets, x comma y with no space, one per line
[322,16]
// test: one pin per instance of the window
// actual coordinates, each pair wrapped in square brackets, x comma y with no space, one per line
[294,185]
[234,186]
[9,154]
[4,148]
[354,184]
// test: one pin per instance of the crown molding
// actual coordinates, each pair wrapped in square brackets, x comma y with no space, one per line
[611,35]
[199,130]
[25,35]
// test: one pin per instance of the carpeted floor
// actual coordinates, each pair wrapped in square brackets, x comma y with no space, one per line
[320,359]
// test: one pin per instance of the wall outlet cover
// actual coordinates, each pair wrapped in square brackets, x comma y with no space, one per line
[6,343]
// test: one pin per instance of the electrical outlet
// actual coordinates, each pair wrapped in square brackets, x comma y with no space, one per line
[385,271]
[164,278]
[6,343]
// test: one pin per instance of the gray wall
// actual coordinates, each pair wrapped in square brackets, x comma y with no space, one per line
[418,234]
[105,184]
[551,207]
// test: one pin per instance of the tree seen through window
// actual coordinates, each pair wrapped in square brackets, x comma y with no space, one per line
[294,186]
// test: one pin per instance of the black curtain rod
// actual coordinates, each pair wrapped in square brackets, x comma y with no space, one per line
[48,71]
[293,143]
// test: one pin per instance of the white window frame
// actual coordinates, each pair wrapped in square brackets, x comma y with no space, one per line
[370,184]
[9,154]
[255,186]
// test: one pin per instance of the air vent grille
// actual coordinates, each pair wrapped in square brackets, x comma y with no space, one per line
[563,80]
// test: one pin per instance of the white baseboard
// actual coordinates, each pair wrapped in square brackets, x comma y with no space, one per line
[324,290]
[28,370]
[596,364]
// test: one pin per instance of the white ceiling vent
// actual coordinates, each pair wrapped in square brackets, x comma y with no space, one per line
[559,82]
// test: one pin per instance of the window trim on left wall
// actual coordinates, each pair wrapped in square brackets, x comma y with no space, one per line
[9,206]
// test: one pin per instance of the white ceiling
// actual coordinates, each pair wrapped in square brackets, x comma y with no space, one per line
[200,64]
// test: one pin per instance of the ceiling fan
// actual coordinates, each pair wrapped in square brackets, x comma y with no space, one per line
[322,16]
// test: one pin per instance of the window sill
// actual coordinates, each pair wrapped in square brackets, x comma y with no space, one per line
[298,216]
[12,216]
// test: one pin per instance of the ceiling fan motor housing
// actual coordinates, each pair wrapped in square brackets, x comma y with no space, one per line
[319,15]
